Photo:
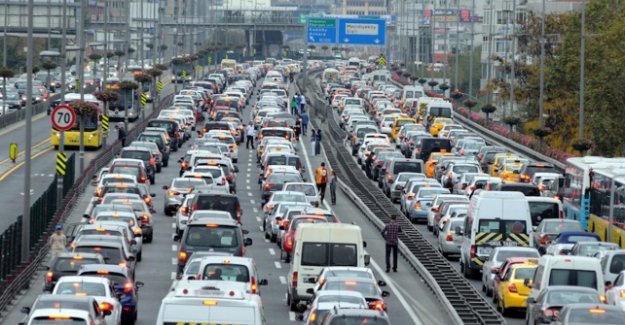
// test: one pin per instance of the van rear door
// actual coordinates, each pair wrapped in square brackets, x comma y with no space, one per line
[500,232]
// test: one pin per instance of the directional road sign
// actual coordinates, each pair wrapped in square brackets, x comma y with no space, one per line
[358,31]
[63,117]
[381,60]
[320,30]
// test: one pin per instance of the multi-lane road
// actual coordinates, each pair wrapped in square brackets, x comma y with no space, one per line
[410,301]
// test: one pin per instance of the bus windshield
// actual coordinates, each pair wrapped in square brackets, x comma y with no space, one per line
[90,120]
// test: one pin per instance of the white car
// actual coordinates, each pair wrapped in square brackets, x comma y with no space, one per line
[309,189]
[98,287]
[326,301]
[231,268]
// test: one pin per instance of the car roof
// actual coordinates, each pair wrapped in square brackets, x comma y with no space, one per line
[216,221]
[108,267]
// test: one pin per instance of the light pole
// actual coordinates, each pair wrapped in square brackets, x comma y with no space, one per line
[81,76]
[541,95]
[28,141]
[472,49]
[491,18]
[582,59]
[59,180]
[513,59]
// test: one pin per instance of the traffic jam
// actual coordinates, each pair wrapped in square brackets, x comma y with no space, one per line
[200,140]
[498,214]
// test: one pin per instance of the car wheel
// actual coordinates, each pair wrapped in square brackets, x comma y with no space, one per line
[166,212]
[273,238]
[149,238]
[293,304]
[430,228]
[489,291]
[140,256]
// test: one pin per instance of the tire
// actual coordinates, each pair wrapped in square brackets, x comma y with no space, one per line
[430,228]
[292,303]
[149,239]
[159,168]
[140,256]
[273,238]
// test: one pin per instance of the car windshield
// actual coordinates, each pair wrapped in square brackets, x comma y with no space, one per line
[226,272]
[133,171]
[212,236]
[579,239]
[80,288]
[565,297]
[524,273]
[367,289]
[72,264]
[279,197]
[589,250]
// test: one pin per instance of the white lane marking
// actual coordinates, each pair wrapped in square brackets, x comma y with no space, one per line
[250,193]
[174,248]
[282,279]
[255,210]
[292,316]
[173,225]
[248,187]
[249,169]
[174,261]
[173,276]
[391,284]
[248,181]
[260,227]
[272,251]
[252,202]
[248,175]
[277,264]
[259,219]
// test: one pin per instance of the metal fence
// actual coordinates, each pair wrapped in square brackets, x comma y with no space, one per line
[41,216]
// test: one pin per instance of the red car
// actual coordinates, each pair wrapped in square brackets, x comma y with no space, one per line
[288,239]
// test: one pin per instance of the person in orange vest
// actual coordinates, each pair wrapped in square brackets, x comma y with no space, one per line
[321,178]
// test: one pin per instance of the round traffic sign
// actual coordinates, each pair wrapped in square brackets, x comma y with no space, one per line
[63,117]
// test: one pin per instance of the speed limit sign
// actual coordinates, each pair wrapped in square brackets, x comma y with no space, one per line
[63,117]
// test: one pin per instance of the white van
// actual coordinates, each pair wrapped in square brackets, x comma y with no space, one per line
[206,302]
[612,263]
[564,270]
[438,108]
[493,219]
[542,208]
[412,92]
[318,246]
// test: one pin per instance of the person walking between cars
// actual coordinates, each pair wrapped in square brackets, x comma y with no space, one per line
[121,133]
[321,178]
[302,103]
[317,146]
[293,105]
[58,241]
[333,181]
[250,132]
[391,237]
[297,128]
[304,116]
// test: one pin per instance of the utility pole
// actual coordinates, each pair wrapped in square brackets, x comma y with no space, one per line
[542,69]
[28,141]
[490,49]
[433,41]
[445,44]
[456,86]
[472,48]
[513,59]
[4,42]
[81,75]
[582,64]
[63,55]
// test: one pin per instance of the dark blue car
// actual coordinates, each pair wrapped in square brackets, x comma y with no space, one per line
[125,287]
[572,237]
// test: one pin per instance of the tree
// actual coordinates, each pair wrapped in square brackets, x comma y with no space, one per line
[488,109]
[160,66]
[512,121]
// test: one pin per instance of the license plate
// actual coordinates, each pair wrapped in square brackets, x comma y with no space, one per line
[484,250]
[209,293]
[510,243]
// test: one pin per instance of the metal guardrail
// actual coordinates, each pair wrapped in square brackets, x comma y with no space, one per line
[459,296]
[20,277]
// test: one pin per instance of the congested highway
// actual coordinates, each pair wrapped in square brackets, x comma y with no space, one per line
[407,302]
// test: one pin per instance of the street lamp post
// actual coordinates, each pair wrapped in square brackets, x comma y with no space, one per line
[59,180]
[81,83]
[541,95]
[582,59]
[28,141]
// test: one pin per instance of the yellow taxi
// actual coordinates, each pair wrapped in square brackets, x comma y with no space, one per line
[398,123]
[512,291]
[510,171]
[498,162]
[438,124]
[430,164]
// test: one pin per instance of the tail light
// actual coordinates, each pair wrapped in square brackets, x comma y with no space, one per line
[550,313]
[145,219]
[473,251]
[389,178]
[173,193]
[105,306]
[622,293]
[147,200]
[184,211]
[512,288]
[182,257]
[294,280]
[185,164]
[285,224]
[49,277]
[417,205]
[239,213]
[152,162]
[544,239]
[138,231]
[128,287]
[254,285]
[98,191]
[142,179]
[450,236]
[376,305]
[603,299]
[267,187]
[288,244]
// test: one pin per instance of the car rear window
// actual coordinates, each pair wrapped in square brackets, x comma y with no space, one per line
[326,254]
[570,277]
[543,210]
[48,320]
[350,320]
[226,272]
[526,190]
[214,237]
[217,202]
[406,166]
[136,154]
[71,264]
[163,124]
[112,255]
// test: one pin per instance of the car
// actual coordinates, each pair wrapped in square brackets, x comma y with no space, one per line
[339,316]
[143,215]
[495,260]
[113,229]
[67,263]
[588,313]
[368,287]
[175,192]
[566,239]
[325,301]
[547,305]
[284,196]
[126,288]
[399,183]
[592,249]
[114,250]
[549,229]
[231,268]
[309,189]
[220,235]
[275,181]
[145,155]
[513,286]
[126,217]
[422,203]
[217,201]
[45,306]
[450,236]
[273,218]
[99,288]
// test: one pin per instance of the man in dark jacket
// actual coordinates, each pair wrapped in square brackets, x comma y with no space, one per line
[121,134]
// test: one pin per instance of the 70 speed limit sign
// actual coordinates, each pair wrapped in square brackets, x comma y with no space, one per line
[63,117]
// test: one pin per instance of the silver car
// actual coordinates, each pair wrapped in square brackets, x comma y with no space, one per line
[450,237]
[400,182]
[175,193]
[496,258]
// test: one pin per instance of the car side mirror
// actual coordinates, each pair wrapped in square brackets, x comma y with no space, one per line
[248,242]
[385,293]
[310,291]
[176,237]
[245,231]
[263,282]
[381,283]
[235,169]
[165,187]
[181,160]
[131,258]
[565,252]
[364,244]
[367,259]
[25,310]
[534,228]
[139,284]
[530,300]
[458,231]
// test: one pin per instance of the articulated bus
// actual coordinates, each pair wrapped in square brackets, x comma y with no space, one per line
[586,194]
[92,126]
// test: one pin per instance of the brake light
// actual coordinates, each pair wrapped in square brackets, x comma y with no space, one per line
[185,164]
[376,305]
[551,313]
[450,236]
[152,162]
[142,179]
[182,257]
[512,288]
[128,287]
[145,219]
[294,280]
[288,244]
[137,231]
[49,277]
[254,285]
[239,213]
[147,200]
[544,239]
[473,251]
[106,306]
[98,191]
[267,187]
[173,193]
[417,205]
[622,293]
[603,299]
[184,211]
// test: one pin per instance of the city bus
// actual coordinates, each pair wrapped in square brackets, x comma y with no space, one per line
[93,132]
